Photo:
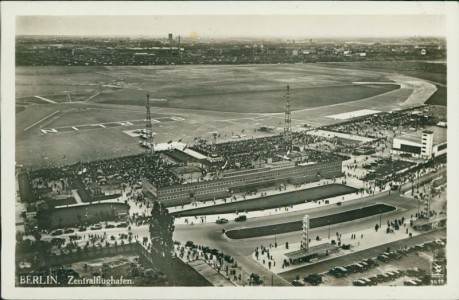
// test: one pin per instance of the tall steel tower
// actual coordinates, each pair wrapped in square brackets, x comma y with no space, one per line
[149,131]
[214,144]
[288,121]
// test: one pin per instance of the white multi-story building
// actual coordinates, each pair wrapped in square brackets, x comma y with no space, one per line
[422,143]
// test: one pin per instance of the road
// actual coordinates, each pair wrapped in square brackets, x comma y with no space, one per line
[210,234]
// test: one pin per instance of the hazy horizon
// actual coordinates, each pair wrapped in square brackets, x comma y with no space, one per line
[261,26]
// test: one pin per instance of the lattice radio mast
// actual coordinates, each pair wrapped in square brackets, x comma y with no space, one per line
[148,127]
[288,121]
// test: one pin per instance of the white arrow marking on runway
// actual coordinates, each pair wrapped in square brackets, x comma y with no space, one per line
[44,99]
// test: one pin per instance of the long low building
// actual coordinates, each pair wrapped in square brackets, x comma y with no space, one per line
[240,180]
[422,143]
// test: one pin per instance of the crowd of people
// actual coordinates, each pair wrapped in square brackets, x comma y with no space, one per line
[379,125]
[127,171]
[239,154]
[246,153]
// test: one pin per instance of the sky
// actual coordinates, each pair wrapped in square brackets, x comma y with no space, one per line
[237,26]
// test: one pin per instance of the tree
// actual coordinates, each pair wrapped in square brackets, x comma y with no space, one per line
[161,230]
[36,235]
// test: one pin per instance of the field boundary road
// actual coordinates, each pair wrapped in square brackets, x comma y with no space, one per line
[332,219]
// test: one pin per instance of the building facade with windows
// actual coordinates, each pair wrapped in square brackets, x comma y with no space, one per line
[242,180]
[422,143]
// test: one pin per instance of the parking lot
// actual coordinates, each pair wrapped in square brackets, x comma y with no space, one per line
[396,270]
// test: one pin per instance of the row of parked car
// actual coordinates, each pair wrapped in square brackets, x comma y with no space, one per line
[398,254]
[84,228]
[380,278]
[353,268]
[312,279]
[240,218]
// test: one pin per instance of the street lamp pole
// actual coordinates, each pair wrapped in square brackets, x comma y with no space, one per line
[380,218]
[328,229]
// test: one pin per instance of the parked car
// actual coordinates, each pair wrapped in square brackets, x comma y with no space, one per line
[417,281]
[391,275]
[297,282]
[108,226]
[409,283]
[222,221]
[313,279]
[383,258]
[241,218]
[255,278]
[69,230]
[228,258]
[82,228]
[359,283]
[366,280]
[122,225]
[397,273]
[383,278]
[374,279]
[57,232]
[338,271]
[96,227]
[415,272]
[371,262]
[356,268]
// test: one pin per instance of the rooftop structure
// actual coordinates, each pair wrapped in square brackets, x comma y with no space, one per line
[426,143]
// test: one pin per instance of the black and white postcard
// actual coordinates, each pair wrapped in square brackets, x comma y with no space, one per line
[214,150]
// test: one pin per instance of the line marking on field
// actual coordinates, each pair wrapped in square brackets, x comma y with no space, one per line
[93,96]
[79,127]
[51,130]
[177,119]
[44,99]
[25,129]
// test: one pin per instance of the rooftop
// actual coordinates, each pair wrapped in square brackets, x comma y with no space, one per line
[311,251]
[185,170]
[439,135]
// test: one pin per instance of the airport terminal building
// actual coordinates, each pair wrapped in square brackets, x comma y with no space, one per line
[422,143]
[243,180]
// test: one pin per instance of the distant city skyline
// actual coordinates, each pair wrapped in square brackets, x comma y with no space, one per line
[274,26]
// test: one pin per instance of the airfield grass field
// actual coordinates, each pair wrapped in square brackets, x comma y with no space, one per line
[253,88]
[229,99]
[433,72]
